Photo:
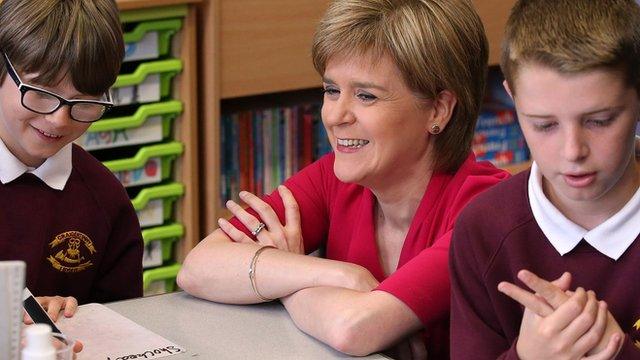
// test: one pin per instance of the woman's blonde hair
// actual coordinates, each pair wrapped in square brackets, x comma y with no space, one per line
[437,45]
[573,36]
[56,37]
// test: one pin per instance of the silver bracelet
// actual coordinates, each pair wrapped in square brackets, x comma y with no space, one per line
[252,273]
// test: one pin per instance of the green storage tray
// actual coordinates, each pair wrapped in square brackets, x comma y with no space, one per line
[160,280]
[150,123]
[153,13]
[154,204]
[150,165]
[150,82]
[158,242]
[150,39]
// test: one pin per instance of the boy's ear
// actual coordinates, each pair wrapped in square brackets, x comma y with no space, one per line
[507,88]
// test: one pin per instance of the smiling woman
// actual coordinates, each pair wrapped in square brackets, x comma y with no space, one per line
[403,83]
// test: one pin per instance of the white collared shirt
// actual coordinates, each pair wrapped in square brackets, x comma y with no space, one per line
[611,238]
[55,171]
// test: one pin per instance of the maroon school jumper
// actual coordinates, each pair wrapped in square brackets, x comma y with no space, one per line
[83,241]
[495,237]
[341,218]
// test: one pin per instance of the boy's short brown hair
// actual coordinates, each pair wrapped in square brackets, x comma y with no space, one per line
[53,38]
[573,36]
[437,45]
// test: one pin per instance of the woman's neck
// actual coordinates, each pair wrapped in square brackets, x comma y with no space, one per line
[397,204]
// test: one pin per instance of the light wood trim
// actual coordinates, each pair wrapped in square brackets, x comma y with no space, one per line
[209,54]
[188,208]
[142,4]
[266,45]
[516,168]
[494,15]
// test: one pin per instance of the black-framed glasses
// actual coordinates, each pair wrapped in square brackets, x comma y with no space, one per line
[45,102]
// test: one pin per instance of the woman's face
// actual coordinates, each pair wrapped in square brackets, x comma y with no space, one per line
[377,126]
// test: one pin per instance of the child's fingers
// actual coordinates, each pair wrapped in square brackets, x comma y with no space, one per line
[70,306]
[592,337]
[78,346]
[563,282]
[53,307]
[526,298]
[567,312]
[609,352]
[26,319]
[551,293]
[581,324]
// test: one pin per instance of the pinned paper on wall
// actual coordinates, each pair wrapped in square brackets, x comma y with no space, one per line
[110,336]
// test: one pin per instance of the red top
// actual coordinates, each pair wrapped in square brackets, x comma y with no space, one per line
[340,217]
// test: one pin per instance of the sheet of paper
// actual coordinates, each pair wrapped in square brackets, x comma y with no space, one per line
[107,335]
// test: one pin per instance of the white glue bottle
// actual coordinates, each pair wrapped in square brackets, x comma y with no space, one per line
[39,343]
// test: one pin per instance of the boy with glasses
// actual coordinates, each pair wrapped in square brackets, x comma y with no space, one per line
[61,210]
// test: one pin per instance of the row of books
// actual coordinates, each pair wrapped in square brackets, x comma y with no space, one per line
[498,137]
[262,148]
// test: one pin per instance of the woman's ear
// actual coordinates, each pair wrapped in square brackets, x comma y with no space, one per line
[443,106]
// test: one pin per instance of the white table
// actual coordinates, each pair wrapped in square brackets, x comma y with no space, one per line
[209,330]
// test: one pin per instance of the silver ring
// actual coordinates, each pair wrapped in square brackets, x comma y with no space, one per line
[258,228]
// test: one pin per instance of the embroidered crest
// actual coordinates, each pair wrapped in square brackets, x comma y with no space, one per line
[74,250]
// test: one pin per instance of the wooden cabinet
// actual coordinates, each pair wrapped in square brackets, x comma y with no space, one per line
[185,128]
[253,47]
[494,15]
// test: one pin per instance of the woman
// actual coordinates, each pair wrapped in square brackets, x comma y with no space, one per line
[403,83]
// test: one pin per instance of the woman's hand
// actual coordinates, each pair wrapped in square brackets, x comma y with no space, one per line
[286,237]
[356,277]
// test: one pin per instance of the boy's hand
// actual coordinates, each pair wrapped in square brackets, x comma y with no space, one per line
[53,305]
[550,298]
[569,332]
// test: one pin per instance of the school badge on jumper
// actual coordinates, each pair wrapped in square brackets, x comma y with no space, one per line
[73,251]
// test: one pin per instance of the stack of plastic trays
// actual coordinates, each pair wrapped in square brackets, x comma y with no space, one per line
[135,139]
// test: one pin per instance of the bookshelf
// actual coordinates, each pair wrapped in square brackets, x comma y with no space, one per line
[255,47]
[185,128]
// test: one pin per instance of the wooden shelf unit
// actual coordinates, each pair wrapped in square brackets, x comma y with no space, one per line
[186,127]
[253,47]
